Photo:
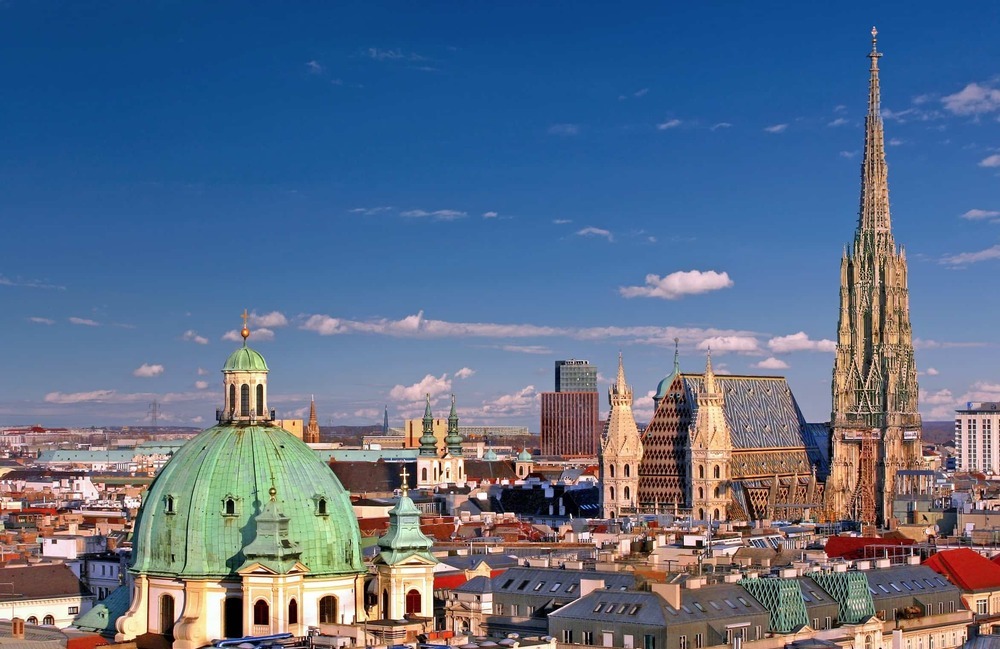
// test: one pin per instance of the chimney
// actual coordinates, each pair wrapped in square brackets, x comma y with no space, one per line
[671,593]
[17,628]
[587,586]
[863,565]
[913,560]
[694,583]
[883,563]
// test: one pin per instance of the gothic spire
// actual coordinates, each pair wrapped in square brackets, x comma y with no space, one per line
[621,374]
[311,434]
[677,356]
[873,217]
[709,374]
[428,443]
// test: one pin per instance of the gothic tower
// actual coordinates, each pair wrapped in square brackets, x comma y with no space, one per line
[875,423]
[620,452]
[709,452]
[311,435]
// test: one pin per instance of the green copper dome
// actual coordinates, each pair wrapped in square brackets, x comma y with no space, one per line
[201,515]
[524,456]
[245,359]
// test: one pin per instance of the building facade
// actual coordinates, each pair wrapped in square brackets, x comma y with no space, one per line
[620,452]
[977,437]
[876,428]
[575,376]
[569,424]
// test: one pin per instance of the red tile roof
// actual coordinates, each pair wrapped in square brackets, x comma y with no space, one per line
[966,568]
[856,547]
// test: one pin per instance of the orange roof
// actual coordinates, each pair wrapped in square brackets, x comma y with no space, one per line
[966,568]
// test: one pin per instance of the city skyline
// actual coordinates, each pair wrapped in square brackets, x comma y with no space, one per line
[446,200]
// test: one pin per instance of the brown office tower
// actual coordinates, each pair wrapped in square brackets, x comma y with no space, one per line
[569,423]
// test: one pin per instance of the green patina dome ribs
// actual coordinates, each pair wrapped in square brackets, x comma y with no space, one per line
[245,359]
[201,512]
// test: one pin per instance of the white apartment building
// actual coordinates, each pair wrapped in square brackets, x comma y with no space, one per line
[977,437]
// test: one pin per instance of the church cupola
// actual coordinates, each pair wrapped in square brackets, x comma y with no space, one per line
[244,378]
[428,443]
[453,440]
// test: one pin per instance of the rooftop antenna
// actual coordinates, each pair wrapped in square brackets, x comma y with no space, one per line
[154,412]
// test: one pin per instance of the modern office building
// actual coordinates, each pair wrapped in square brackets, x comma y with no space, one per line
[575,376]
[977,437]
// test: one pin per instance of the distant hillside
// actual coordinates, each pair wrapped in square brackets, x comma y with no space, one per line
[939,432]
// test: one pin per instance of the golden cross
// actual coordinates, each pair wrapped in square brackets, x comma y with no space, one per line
[404,475]
[245,316]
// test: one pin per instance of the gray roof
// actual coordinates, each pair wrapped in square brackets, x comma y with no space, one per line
[903,586]
[617,607]
[478,584]
[555,583]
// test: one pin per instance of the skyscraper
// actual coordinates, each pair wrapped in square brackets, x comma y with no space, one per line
[875,422]
[570,415]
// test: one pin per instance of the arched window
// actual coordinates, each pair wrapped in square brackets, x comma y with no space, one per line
[230,506]
[701,494]
[628,471]
[628,493]
[413,602]
[244,400]
[168,505]
[32,620]
[701,514]
[612,470]
[716,491]
[715,516]
[385,604]
[321,507]
[167,615]
[701,472]
[423,474]
[232,398]
[261,613]
[870,642]
[715,471]
[328,610]
[48,619]
[260,399]
[612,491]
[293,612]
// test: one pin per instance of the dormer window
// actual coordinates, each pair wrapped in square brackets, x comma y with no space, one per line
[230,505]
[168,505]
[322,505]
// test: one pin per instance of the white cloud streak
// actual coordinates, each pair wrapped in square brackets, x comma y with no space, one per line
[990,161]
[669,124]
[464,373]
[430,384]
[776,128]
[591,231]
[966,258]
[976,215]
[86,322]
[270,320]
[436,215]
[43,321]
[192,336]
[772,363]
[678,284]
[799,342]
[723,344]
[261,334]
[147,370]
[973,99]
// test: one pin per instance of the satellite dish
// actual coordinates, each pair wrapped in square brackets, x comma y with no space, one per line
[936,529]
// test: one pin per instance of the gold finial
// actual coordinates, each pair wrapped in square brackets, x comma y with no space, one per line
[245,332]
[874,40]
[273,493]
[405,486]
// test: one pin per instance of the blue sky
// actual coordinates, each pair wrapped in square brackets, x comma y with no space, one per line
[448,197]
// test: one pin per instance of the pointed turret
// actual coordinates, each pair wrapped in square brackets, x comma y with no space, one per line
[311,435]
[453,440]
[620,392]
[873,217]
[428,443]
[620,451]
[709,387]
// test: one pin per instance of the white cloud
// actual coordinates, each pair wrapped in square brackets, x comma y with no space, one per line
[201,385]
[271,320]
[973,99]
[848,154]
[262,334]
[776,128]
[941,397]
[44,321]
[112,396]
[932,372]
[202,371]
[526,349]
[377,54]
[314,67]
[192,336]
[565,130]
[670,123]
[772,363]
[436,215]
[840,121]
[464,373]
[523,402]
[641,92]
[370,211]
[965,258]
[974,214]
[722,344]
[678,284]
[28,283]
[490,215]
[799,342]
[562,221]
[591,231]
[146,370]
[84,321]
[991,161]
[719,125]
[430,384]
[79,397]
[924,343]
[895,141]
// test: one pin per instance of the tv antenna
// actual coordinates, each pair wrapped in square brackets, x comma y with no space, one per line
[154,412]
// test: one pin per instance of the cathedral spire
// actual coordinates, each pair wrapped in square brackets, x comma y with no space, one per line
[873,217]
[709,374]
[311,435]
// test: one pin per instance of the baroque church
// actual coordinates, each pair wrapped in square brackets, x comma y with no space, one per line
[738,447]
[247,532]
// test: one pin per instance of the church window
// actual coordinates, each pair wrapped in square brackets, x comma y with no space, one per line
[260,399]
[701,514]
[229,506]
[869,642]
[612,493]
[413,602]
[715,515]
[628,493]
[716,472]
[321,506]
[701,472]
[701,494]
[48,619]
[328,610]
[293,612]
[612,470]
[261,613]
[628,472]
[244,400]
[168,505]
[232,397]
[423,474]
[716,491]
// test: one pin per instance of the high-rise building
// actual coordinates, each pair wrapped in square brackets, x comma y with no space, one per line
[875,423]
[977,437]
[570,414]
[575,376]
[620,452]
